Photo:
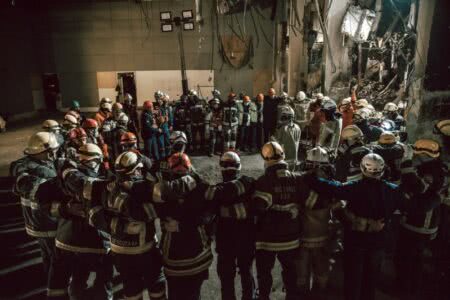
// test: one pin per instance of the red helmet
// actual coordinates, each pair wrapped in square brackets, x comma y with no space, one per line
[179,163]
[128,138]
[148,105]
[78,136]
[90,124]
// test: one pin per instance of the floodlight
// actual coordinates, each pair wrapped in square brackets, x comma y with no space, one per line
[187,14]
[166,27]
[188,25]
[165,16]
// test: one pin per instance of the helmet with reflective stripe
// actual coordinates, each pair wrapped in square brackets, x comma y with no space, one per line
[105,100]
[90,124]
[128,138]
[272,153]
[70,121]
[214,102]
[216,93]
[372,165]
[123,119]
[106,106]
[428,147]
[41,142]
[90,152]
[390,107]
[351,133]
[148,105]
[387,138]
[178,137]
[127,162]
[179,163]
[230,161]
[318,156]
[443,127]
[50,125]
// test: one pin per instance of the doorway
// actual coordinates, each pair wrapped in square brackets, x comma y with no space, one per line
[50,84]
[126,84]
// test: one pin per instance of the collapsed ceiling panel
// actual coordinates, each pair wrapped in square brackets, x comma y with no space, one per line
[358,23]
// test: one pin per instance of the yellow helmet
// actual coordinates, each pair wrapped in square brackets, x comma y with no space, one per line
[387,138]
[427,147]
[272,153]
[443,127]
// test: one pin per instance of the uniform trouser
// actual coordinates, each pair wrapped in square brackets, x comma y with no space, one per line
[409,260]
[164,143]
[265,261]
[245,137]
[47,246]
[186,287]
[141,271]
[151,147]
[361,270]
[257,135]
[226,269]
[229,137]
[214,136]
[313,262]
[75,267]
[198,130]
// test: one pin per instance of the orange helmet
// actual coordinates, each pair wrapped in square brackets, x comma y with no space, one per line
[179,163]
[90,124]
[246,99]
[128,138]
[148,105]
[272,92]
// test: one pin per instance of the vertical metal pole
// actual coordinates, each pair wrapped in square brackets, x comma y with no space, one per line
[184,81]
[359,63]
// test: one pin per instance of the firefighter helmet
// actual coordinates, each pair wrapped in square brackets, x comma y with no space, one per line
[70,121]
[319,96]
[40,142]
[361,114]
[128,138]
[214,102]
[78,136]
[443,127]
[89,152]
[390,107]
[117,107]
[106,106]
[105,100]
[351,133]
[346,101]
[301,96]
[328,105]
[50,125]
[272,153]
[387,138]
[317,156]
[127,163]
[178,137]
[230,161]
[179,163]
[286,115]
[427,147]
[148,105]
[361,103]
[216,93]
[123,119]
[90,124]
[75,105]
[372,165]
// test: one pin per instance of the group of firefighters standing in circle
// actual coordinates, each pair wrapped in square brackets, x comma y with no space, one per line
[91,197]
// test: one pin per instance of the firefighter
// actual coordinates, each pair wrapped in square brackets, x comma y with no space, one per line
[270,114]
[371,132]
[392,153]
[245,110]
[216,94]
[230,123]
[315,217]
[120,128]
[346,109]
[197,112]
[130,218]
[350,153]
[54,127]
[130,109]
[149,131]
[371,203]
[80,248]
[166,124]
[288,135]
[235,235]
[420,223]
[104,111]
[69,122]
[182,118]
[76,138]
[257,123]
[283,101]
[128,142]
[278,195]
[94,137]
[215,118]
[331,127]
[185,244]
[301,109]
[75,106]
[391,113]
[31,173]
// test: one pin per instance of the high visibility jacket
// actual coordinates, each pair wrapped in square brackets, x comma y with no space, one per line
[100,117]
[230,114]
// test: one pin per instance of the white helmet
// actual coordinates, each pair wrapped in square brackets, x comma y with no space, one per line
[158,94]
[89,152]
[301,96]
[123,119]
[127,97]
[351,133]
[70,121]
[372,165]
[105,100]
[272,153]
[230,161]
[362,114]
[286,115]
[361,103]
[178,137]
[284,95]
[50,125]
[390,107]
[216,93]
[41,142]
[127,162]
[346,101]
[106,106]
[317,155]
[192,93]
[319,96]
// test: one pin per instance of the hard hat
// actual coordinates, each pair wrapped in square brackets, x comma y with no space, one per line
[260,97]
[90,151]
[319,96]
[328,105]
[40,142]
[178,137]
[284,95]
[106,106]
[230,161]
[372,165]
[301,96]
[351,132]
[361,114]
[123,119]
[75,104]
[148,105]
[127,97]
[387,125]
[70,120]
[128,138]
[77,134]
[387,138]
[214,101]
[427,147]
[74,114]
[246,99]
[443,127]
[346,101]
[179,163]
[286,114]
[166,97]
[216,93]
[158,94]
[117,107]
[50,125]
[272,153]
[90,124]
[127,163]
[371,107]
[192,93]
[317,155]
[105,100]
[361,103]
[390,107]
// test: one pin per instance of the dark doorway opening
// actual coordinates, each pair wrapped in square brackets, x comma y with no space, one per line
[126,84]
[50,84]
